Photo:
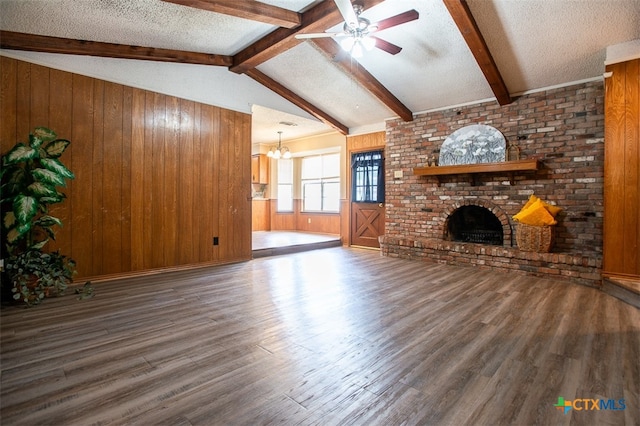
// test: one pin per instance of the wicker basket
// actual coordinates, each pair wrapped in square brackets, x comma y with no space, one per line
[534,238]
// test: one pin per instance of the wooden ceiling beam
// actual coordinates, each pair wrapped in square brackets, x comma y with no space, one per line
[247,9]
[317,19]
[364,78]
[37,43]
[463,18]
[278,88]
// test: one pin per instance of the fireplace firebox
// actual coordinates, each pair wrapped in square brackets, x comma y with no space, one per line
[474,224]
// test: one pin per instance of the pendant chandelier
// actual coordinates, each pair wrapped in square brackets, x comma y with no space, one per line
[279,151]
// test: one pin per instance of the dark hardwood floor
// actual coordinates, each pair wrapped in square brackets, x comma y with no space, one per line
[333,336]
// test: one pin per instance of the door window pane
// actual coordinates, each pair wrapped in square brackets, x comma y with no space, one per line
[368,177]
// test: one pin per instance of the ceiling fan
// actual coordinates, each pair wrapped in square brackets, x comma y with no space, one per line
[357,31]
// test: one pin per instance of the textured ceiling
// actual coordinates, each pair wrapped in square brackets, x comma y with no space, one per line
[536,44]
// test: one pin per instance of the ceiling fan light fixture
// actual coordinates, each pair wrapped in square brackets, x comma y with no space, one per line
[368,42]
[356,30]
[347,43]
[356,51]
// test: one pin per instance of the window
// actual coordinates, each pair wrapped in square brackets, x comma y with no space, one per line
[367,177]
[285,185]
[321,183]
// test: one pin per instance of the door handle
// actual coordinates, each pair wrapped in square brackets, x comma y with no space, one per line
[381,205]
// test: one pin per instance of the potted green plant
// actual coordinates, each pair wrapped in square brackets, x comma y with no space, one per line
[36,274]
[31,173]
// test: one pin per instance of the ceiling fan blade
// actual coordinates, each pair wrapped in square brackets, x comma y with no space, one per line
[408,16]
[347,12]
[317,35]
[387,46]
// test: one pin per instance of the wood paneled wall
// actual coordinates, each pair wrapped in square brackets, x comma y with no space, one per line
[157,177]
[261,216]
[297,220]
[622,171]
[367,142]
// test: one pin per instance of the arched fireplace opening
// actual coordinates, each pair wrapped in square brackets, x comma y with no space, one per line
[474,224]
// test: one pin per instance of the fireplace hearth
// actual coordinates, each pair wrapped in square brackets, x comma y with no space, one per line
[474,224]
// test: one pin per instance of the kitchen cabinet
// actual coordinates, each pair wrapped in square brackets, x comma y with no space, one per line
[260,169]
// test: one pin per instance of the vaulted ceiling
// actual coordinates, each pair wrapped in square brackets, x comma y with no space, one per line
[243,54]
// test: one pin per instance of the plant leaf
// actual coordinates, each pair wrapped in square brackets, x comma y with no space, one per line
[39,245]
[23,228]
[25,207]
[48,220]
[49,177]
[9,219]
[56,148]
[55,165]
[35,141]
[19,153]
[13,235]
[41,189]
[50,233]
[17,233]
[52,199]
[45,134]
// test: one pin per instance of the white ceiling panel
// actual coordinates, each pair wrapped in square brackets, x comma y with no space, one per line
[543,43]
[316,78]
[150,23]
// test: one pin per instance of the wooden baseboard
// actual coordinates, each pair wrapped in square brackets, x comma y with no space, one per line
[625,289]
[151,272]
[630,283]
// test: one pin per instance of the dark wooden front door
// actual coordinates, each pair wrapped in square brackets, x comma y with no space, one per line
[367,198]
[367,223]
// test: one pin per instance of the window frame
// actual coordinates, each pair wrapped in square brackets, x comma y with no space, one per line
[324,182]
[287,184]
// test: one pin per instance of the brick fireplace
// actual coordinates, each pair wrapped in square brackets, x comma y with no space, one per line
[477,221]
[562,127]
